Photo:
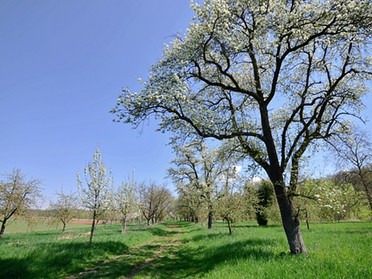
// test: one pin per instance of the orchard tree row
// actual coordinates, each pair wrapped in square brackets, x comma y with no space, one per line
[97,198]
[211,184]
[128,201]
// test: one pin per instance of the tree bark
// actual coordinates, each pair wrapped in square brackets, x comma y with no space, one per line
[261,218]
[123,226]
[365,186]
[290,220]
[64,226]
[93,227]
[8,216]
[2,228]
[229,225]
[210,217]
[307,220]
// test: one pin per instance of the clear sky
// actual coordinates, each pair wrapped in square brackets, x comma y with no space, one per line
[62,66]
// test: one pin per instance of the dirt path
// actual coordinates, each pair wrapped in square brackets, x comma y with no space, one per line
[166,243]
[163,243]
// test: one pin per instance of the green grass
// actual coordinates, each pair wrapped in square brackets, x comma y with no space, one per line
[185,250]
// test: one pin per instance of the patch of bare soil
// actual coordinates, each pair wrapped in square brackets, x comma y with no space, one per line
[81,221]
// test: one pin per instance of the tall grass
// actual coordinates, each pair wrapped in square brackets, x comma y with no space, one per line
[336,250]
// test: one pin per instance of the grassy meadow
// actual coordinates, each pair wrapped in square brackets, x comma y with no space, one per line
[185,250]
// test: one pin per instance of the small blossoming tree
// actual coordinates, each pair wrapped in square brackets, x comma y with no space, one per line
[95,195]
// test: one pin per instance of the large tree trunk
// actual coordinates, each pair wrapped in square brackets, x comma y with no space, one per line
[291,222]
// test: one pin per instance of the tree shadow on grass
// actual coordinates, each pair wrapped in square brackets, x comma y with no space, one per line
[187,262]
[202,237]
[51,260]
[122,265]
[170,229]
[170,260]
[158,231]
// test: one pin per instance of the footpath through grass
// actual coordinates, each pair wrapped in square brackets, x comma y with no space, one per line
[185,250]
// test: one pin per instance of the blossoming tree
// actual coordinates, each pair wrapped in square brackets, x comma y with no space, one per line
[125,202]
[274,76]
[95,193]
[203,173]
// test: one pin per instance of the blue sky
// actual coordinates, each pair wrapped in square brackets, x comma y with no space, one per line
[62,66]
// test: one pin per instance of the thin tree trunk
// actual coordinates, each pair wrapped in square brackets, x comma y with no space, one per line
[307,220]
[210,217]
[8,216]
[369,198]
[123,226]
[2,228]
[93,227]
[366,189]
[229,225]
[64,226]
